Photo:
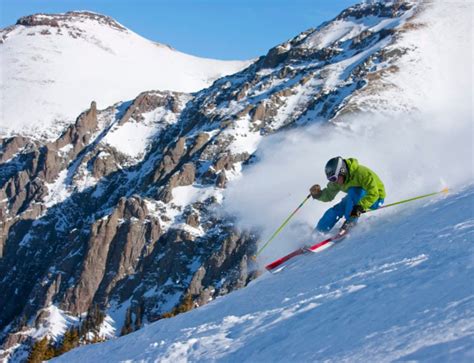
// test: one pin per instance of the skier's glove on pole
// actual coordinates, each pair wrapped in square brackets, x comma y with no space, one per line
[315,191]
[357,211]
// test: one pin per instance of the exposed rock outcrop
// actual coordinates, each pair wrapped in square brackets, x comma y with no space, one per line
[58,20]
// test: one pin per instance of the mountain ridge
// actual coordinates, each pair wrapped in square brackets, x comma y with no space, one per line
[136,226]
[57,20]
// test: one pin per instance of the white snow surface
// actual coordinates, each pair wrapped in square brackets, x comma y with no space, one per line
[48,79]
[130,138]
[397,289]
[344,29]
[133,137]
[56,324]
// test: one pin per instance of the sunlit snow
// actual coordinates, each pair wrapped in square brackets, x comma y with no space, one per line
[49,79]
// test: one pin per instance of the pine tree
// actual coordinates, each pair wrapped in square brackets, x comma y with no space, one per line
[51,352]
[127,325]
[37,351]
[40,351]
[138,316]
[186,304]
[44,350]
[92,322]
[70,340]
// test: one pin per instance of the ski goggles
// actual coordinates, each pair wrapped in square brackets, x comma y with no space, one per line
[333,176]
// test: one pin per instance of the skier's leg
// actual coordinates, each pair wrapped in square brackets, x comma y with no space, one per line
[332,215]
[354,195]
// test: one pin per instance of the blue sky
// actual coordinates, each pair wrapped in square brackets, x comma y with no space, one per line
[221,29]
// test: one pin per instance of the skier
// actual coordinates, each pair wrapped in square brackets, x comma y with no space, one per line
[364,191]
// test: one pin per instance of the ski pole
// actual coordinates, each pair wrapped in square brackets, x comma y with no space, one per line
[445,190]
[281,227]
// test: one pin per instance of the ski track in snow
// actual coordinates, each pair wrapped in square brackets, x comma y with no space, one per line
[396,291]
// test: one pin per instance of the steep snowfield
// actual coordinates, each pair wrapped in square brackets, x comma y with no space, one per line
[398,289]
[50,74]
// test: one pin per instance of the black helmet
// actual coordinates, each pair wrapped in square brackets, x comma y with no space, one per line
[335,167]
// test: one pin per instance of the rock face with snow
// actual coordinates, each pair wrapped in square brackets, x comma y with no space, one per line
[122,209]
[54,65]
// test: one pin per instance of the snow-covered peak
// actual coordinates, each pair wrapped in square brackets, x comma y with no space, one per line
[53,66]
[355,23]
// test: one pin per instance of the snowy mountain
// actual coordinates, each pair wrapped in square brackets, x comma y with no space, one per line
[153,206]
[53,66]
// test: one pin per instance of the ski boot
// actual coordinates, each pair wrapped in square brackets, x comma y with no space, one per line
[347,226]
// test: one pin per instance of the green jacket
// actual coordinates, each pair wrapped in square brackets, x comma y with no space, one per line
[358,176]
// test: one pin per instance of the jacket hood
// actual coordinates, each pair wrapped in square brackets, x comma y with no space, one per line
[352,165]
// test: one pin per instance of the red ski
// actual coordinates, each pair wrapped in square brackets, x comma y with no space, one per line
[313,248]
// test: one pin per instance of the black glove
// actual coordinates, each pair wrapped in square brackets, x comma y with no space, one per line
[357,211]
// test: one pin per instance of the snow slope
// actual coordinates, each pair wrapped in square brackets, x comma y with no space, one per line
[398,289]
[52,73]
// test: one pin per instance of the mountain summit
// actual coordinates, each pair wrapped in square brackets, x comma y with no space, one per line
[54,65]
[68,21]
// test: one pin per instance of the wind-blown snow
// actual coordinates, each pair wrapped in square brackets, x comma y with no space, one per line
[48,79]
[417,134]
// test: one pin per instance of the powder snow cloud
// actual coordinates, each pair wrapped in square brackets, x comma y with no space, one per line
[414,152]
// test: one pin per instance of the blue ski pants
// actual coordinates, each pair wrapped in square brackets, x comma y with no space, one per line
[344,208]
